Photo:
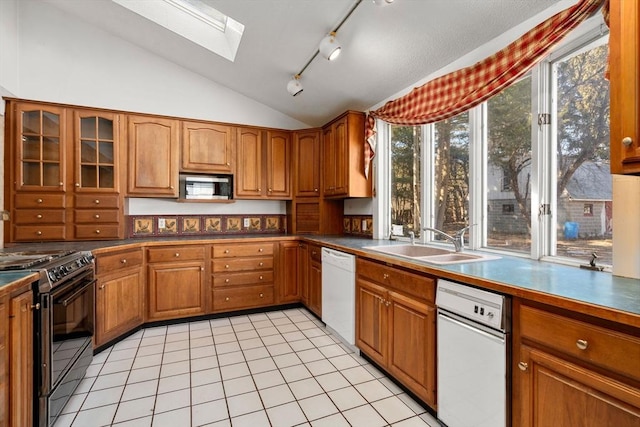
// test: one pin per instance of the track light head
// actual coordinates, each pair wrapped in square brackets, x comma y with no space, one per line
[382,2]
[330,47]
[294,87]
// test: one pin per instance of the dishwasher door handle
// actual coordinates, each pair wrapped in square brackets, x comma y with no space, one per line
[496,336]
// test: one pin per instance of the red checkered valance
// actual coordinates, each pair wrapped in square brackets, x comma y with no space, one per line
[456,92]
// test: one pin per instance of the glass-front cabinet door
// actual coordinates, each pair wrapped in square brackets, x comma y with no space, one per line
[96,139]
[41,135]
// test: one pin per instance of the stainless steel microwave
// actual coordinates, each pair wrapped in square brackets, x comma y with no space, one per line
[206,187]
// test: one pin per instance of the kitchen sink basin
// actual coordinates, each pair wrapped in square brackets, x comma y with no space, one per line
[432,255]
[411,251]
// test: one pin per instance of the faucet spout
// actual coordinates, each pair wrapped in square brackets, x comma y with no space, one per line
[457,239]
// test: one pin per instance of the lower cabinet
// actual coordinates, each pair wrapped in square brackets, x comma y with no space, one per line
[396,324]
[314,296]
[287,277]
[120,294]
[176,282]
[568,372]
[21,386]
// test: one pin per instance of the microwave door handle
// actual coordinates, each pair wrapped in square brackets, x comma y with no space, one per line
[77,293]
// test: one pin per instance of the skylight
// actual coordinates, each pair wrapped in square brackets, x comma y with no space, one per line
[194,20]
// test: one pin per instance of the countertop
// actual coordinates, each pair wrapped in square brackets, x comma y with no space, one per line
[594,293]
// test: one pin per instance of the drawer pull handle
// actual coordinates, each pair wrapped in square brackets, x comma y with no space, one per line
[39,216]
[627,141]
[39,233]
[97,202]
[97,216]
[226,251]
[39,201]
[123,261]
[523,366]
[226,280]
[177,254]
[261,295]
[227,299]
[582,344]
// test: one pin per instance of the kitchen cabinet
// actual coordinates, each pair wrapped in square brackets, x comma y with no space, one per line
[243,275]
[314,297]
[207,148]
[624,56]
[153,156]
[120,294]
[263,159]
[315,215]
[343,157]
[393,307]
[307,163]
[303,272]
[176,282]
[4,360]
[98,212]
[287,280]
[568,371]
[21,381]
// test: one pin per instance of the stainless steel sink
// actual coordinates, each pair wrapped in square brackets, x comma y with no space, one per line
[432,255]
[411,251]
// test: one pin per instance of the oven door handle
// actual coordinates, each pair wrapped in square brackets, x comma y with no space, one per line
[77,293]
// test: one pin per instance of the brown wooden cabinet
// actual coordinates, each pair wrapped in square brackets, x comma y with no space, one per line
[120,294]
[314,297]
[303,272]
[21,360]
[153,156]
[243,275]
[176,282]
[307,163]
[624,54]
[207,147]
[4,359]
[569,371]
[287,285]
[278,167]
[343,157]
[393,307]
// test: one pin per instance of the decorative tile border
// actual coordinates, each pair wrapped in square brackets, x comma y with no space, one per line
[203,225]
[358,225]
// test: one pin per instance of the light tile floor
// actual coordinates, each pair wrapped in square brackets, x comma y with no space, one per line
[280,368]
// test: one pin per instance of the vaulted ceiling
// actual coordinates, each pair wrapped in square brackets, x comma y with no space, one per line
[385,49]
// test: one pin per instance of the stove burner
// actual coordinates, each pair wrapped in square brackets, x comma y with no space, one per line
[28,259]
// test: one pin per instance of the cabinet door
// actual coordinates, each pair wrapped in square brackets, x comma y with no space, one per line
[119,305]
[207,147]
[21,361]
[96,147]
[153,157]
[555,392]
[176,290]
[372,320]
[315,287]
[624,54]
[287,282]
[328,161]
[341,157]
[412,345]
[40,147]
[278,165]
[303,272]
[249,160]
[307,163]
[4,360]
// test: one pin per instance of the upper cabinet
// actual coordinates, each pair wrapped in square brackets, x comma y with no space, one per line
[624,54]
[263,164]
[343,157]
[153,156]
[306,158]
[207,148]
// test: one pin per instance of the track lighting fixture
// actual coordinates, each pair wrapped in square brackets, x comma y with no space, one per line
[329,46]
[294,87]
[382,2]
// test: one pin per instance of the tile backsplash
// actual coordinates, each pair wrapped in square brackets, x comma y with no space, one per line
[203,225]
[358,225]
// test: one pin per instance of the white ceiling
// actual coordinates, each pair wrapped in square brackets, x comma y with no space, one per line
[384,49]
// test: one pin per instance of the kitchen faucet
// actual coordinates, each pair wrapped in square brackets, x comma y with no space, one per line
[457,239]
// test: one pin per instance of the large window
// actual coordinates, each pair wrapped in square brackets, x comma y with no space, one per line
[529,169]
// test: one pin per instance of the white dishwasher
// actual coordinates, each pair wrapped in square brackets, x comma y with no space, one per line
[339,293]
[472,330]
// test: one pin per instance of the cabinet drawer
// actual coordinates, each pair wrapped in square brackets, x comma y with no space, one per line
[39,200]
[395,278]
[38,233]
[245,297]
[175,253]
[615,351]
[87,201]
[109,263]
[235,279]
[39,216]
[96,216]
[97,231]
[242,249]
[243,264]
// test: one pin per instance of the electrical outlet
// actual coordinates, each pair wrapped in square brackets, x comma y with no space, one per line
[397,230]
[5,215]
[364,225]
[162,223]
[246,223]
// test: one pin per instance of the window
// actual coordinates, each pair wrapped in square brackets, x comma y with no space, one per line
[529,169]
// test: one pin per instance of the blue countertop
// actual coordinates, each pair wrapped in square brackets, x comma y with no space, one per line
[9,277]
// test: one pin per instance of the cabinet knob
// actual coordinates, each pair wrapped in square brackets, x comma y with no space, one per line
[227,299]
[97,216]
[261,295]
[582,344]
[385,276]
[627,141]
[39,233]
[177,254]
[259,190]
[35,306]
[101,287]
[96,201]
[270,190]
[39,200]
[523,366]
[226,251]
[260,277]
[61,183]
[261,264]
[226,280]
[260,250]
[97,231]
[201,268]
[77,184]
[228,164]
[39,216]
[315,189]
[226,266]
[123,261]
[171,187]
[387,303]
